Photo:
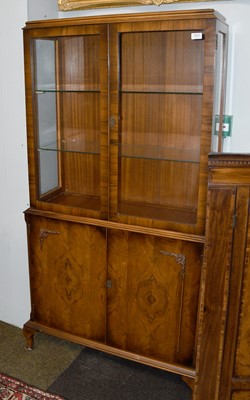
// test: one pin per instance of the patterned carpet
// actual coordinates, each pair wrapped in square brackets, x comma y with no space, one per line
[13,389]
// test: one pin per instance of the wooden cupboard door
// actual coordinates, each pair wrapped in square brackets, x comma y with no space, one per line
[68,276]
[152,295]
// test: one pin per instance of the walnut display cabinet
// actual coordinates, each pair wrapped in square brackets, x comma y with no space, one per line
[120,121]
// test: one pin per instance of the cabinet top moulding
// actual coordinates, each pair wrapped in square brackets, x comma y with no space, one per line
[136,17]
[229,169]
[229,159]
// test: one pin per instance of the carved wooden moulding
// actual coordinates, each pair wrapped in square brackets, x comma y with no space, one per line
[68,5]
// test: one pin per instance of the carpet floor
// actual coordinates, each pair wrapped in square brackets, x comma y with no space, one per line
[39,367]
[94,375]
[78,373]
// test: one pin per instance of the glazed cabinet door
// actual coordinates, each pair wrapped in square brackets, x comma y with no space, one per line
[67,80]
[67,276]
[162,77]
[153,295]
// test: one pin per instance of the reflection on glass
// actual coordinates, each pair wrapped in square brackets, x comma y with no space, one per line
[46,114]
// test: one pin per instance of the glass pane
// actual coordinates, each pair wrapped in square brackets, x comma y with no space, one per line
[46,114]
[67,96]
[45,64]
[161,91]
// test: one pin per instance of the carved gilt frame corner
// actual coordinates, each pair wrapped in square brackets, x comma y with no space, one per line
[70,5]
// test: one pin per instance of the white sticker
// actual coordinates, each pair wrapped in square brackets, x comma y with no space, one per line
[196,35]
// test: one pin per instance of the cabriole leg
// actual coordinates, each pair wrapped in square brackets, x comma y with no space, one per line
[29,336]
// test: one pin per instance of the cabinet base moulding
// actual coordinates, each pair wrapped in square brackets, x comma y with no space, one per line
[31,328]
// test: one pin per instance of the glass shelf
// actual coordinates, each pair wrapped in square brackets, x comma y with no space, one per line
[68,88]
[159,89]
[71,145]
[160,153]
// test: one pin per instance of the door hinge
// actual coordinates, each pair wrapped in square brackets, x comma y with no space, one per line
[234,220]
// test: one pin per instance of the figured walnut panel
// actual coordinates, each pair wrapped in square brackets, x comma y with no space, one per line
[68,275]
[153,281]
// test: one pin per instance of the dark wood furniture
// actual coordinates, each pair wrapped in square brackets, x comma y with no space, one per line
[223,357]
[120,121]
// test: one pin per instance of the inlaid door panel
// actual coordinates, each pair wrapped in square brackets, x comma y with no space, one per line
[68,276]
[152,295]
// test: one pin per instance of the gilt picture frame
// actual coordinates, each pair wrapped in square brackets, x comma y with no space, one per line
[70,5]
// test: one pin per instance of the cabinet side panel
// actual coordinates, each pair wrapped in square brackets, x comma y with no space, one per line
[214,292]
